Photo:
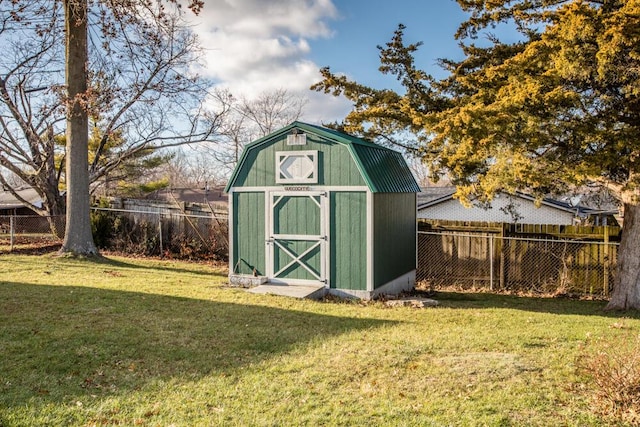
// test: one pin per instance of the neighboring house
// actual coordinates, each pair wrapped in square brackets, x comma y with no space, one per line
[28,221]
[437,203]
[11,205]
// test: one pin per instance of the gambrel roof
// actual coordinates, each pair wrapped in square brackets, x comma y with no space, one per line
[384,170]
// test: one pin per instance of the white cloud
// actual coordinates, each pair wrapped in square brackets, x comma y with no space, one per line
[257,45]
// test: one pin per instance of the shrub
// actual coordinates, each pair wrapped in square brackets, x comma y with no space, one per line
[611,367]
[102,224]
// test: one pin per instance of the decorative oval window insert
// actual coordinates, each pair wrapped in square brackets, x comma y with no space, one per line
[297,167]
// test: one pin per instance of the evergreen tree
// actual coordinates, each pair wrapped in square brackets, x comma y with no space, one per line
[555,109]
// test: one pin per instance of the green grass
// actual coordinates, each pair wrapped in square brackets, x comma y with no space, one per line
[159,343]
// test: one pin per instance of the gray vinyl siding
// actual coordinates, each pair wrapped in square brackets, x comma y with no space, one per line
[499,210]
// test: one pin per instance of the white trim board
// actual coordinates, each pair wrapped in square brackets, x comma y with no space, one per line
[230,225]
[370,241]
[299,188]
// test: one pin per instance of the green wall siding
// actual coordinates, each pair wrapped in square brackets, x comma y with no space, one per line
[297,215]
[248,233]
[394,236]
[335,164]
[295,271]
[348,234]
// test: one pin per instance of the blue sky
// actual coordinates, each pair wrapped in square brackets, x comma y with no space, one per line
[366,24]
[254,46]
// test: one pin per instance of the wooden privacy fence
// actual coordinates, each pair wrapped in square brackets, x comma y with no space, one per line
[538,258]
[162,232]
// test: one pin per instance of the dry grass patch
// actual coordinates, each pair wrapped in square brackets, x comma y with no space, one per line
[611,366]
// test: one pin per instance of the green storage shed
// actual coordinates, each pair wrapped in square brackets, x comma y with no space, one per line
[312,206]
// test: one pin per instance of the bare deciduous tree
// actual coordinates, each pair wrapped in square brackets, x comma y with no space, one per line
[136,81]
[240,120]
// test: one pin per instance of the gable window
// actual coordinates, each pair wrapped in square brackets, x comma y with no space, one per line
[297,167]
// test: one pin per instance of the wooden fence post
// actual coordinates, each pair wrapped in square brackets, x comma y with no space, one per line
[502,257]
[12,231]
[160,234]
[491,262]
[607,264]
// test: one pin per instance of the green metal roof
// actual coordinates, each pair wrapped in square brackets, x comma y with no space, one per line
[384,170]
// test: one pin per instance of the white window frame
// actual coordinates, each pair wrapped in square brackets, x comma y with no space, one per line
[282,156]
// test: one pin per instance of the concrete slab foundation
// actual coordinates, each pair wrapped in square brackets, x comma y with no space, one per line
[246,280]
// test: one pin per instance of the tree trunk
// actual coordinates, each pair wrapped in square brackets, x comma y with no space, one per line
[626,288]
[78,239]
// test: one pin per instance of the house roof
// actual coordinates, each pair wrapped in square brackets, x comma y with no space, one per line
[384,170]
[190,195]
[435,195]
[9,201]
[432,195]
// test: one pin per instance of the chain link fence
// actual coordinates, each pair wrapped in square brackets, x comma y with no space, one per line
[18,232]
[445,258]
[493,262]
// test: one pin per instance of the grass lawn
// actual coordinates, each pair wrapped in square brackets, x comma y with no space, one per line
[158,343]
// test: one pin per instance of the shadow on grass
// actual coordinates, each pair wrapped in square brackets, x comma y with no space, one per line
[22,249]
[567,306]
[62,343]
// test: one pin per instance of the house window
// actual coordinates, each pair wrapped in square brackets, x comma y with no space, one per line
[295,167]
